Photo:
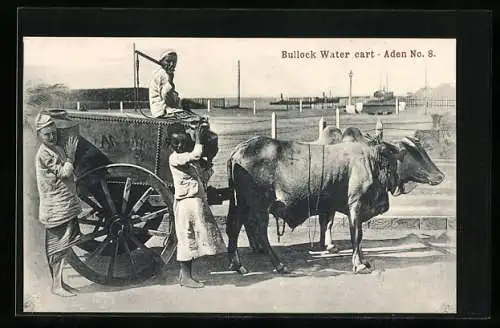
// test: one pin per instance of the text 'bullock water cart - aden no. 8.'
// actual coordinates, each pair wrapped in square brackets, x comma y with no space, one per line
[125,186]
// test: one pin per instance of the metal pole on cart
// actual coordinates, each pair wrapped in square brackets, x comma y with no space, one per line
[137,81]
[134,55]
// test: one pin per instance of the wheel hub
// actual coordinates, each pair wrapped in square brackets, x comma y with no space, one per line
[118,226]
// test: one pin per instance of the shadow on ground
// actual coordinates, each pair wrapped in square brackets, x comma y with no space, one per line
[213,270]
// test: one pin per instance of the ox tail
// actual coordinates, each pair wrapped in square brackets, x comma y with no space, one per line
[233,197]
[233,200]
[232,216]
[230,183]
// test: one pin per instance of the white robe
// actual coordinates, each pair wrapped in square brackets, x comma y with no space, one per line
[196,229]
[163,99]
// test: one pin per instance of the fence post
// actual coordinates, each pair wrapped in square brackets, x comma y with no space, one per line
[321,126]
[274,127]
[300,105]
[121,106]
[78,105]
[379,129]
[436,126]
[254,108]
[337,117]
[397,107]
[208,105]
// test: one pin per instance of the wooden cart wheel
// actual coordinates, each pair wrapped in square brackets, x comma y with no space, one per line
[127,225]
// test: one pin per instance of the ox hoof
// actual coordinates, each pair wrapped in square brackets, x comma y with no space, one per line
[242,270]
[332,249]
[362,269]
[238,268]
[366,264]
[283,269]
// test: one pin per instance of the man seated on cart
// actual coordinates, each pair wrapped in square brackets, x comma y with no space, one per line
[164,100]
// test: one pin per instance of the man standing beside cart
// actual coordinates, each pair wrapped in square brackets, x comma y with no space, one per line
[59,204]
[196,229]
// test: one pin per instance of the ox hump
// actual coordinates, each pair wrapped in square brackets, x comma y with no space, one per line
[257,149]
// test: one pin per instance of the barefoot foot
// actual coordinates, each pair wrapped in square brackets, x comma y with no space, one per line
[332,249]
[283,269]
[362,269]
[190,283]
[62,292]
[69,288]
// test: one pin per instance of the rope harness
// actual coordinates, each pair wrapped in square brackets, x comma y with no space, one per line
[311,239]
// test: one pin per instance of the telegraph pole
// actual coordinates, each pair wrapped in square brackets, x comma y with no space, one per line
[350,87]
[239,85]
[426,92]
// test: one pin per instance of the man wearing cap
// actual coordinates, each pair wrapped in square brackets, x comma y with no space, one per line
[59,204]
[163,99]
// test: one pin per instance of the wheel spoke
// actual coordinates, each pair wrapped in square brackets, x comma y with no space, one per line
[111,266]
[132,261]
[166,253]
[99,250]
[89,222]
[149,216]
[141,201]
[88,214]
[91,203]
[85,238]
[143,247]
[107,194]
[126,194]
[99,223]
[151,232]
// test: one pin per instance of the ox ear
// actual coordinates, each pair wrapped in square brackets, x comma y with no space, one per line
[388,166]
[391,150]
[402,151]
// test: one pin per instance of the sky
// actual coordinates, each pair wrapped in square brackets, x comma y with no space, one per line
[207,67]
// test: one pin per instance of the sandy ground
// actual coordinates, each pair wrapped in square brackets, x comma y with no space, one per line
[410,276]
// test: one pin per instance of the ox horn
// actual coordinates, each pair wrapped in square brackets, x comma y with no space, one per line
[410,141]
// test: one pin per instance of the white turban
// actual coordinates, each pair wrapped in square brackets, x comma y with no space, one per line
[166,53]
[43,120]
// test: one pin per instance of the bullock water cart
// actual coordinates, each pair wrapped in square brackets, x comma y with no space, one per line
[125,187]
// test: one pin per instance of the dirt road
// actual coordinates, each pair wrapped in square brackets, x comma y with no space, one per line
[413,272]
